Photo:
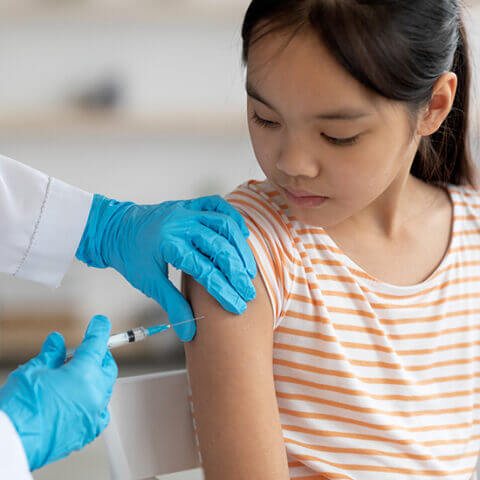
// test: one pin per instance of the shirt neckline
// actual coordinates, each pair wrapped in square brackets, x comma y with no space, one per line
[407,288]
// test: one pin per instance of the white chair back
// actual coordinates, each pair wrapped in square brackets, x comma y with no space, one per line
[151,430]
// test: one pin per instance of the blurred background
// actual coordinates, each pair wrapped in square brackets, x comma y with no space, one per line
[138,100]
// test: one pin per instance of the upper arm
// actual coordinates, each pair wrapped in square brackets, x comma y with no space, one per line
[231,376]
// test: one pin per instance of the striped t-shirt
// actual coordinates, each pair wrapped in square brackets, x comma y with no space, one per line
[373,381]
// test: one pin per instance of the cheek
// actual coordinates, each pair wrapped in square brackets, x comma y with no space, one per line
[366,174]
[264,151]
[358,172]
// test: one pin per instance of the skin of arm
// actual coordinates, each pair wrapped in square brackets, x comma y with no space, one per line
[231,376]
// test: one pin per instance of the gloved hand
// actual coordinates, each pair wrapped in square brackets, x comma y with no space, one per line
[57,408]
[205,238]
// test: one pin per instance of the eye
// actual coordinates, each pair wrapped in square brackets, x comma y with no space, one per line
[342,141]
[262,122]
[335,141]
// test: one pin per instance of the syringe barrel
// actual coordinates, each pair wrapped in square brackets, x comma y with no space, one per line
[130,336]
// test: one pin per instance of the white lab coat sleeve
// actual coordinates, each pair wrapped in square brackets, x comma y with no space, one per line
[41,223]
[13,461]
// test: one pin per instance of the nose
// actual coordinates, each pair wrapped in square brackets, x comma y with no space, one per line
[295,161]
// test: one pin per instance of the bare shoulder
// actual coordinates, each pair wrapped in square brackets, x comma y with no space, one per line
[218,323]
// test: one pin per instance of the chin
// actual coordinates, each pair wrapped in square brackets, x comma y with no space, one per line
[311,216]
[315,217]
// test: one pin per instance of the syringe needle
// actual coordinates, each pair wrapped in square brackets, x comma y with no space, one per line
[187,321]
[161,328]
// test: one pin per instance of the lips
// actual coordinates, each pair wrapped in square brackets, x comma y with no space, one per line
[302,193]
[303,199]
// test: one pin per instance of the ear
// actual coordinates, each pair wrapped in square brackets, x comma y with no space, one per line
[440,104]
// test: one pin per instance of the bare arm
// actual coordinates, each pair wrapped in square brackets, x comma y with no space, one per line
[230,369]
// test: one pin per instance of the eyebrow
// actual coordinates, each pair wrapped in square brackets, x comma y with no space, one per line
[346,113]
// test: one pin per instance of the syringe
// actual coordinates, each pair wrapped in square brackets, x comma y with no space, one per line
[132,336]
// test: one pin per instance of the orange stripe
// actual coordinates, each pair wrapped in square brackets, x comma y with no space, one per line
[366,393]
[380,333]
[275,264]
[378,381]
[358,273]
[462,190]
[399,337]
[265,273]
[380,453]
[374,411]
[386,321]
[274,193]
[313,285]
[381,439]
[404,471]
[279,240]
[462,233]
[274,215]
[277,217]
[320,231]
[262,244]
[327,476]
[367,363]
[353,421]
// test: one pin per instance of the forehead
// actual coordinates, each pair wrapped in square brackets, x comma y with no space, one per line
[302,73]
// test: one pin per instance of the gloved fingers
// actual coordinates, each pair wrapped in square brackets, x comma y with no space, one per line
[52,354]
[110,368]
[178,310]
[53,350]
[224,257]
[226,227]
[95,342]
[103,422]
[195,264]
[215,203]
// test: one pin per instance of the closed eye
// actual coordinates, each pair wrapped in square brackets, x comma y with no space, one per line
[335,141]
[262,122]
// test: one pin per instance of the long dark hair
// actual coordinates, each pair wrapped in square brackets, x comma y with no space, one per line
[398,49]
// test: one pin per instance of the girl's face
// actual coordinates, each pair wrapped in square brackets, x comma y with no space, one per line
[316,131]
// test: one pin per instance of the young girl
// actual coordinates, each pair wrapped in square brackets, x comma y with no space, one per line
[358,357]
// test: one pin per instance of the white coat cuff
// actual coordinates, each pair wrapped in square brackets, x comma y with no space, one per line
[13,461]
[59,229]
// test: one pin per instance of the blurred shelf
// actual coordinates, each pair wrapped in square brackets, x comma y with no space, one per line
[84,123]
[220,11]
[80,123]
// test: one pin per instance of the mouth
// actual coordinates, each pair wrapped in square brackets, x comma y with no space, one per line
[302,193]
[303,198]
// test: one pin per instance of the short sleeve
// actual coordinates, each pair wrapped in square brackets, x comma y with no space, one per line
[271,242]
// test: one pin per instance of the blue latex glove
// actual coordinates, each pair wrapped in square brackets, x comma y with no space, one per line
[58,408]
[204,237]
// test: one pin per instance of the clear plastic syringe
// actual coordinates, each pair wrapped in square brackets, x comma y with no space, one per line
[132,336]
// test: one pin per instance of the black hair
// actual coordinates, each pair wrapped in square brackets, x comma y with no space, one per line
[397,49]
